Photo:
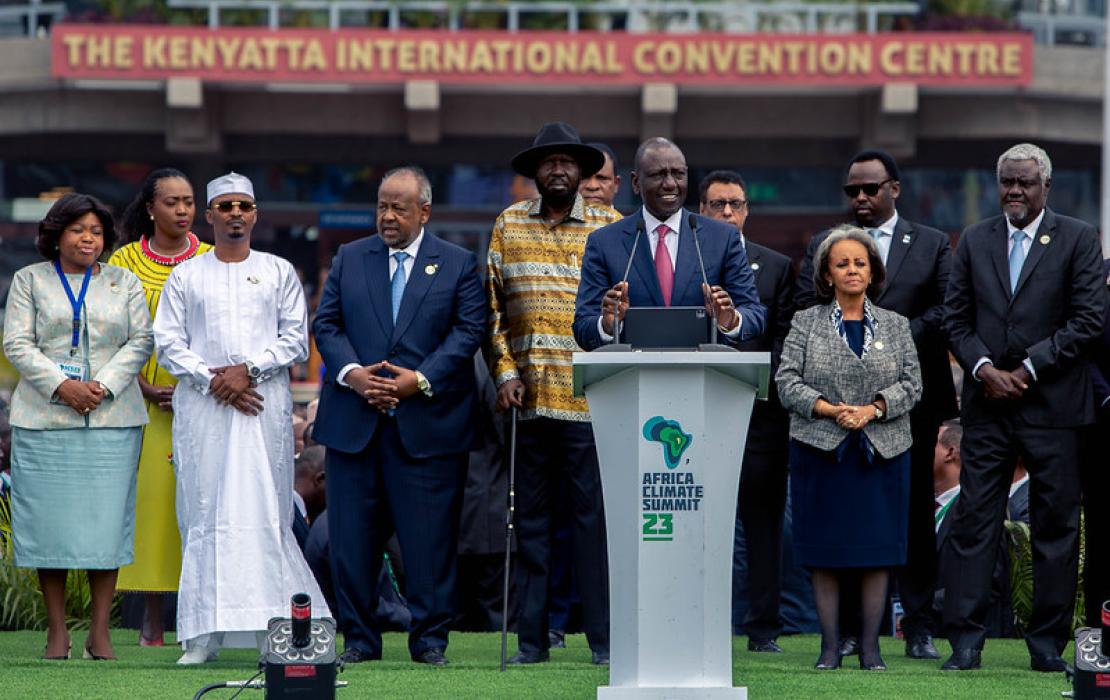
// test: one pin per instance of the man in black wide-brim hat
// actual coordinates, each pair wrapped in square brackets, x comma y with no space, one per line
[535,255]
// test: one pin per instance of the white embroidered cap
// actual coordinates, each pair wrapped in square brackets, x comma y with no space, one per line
[232,183]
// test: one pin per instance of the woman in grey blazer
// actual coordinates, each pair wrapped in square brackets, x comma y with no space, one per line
[849,376]
[78,332]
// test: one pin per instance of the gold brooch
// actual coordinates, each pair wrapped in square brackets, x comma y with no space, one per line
[878,345]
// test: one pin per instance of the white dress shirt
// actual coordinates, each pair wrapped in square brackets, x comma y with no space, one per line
[886,236]
[1026,243]
[412,249]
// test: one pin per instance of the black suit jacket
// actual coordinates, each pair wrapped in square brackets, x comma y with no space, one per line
[917,270]
[774,280]
[1055,312]
[1100,357]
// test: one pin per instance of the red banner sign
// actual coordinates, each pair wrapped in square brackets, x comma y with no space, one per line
[363,56]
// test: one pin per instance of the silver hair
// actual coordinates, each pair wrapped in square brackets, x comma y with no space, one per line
[1027,151]
[417,172]
[846,232]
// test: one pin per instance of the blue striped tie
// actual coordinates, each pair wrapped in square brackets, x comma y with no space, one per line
[1017,258]
[397,285]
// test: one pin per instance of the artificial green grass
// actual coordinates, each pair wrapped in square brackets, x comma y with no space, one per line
[151,673]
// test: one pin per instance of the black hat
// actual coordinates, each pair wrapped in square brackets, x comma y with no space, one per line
[558,137]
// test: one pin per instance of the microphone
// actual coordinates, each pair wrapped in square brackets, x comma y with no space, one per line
[705,280]
[627,269]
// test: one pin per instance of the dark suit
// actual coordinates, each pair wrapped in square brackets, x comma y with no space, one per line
[403,470]
[762,498]
[1095,477]
[607,252]
[917,269]
[1056,310]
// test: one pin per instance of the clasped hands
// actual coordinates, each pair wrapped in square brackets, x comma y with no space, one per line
[1001,385]
[847,417]
[231,386]
[82,397]
[381,391]
[717,302]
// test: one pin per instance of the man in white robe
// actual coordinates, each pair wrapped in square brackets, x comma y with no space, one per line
[229,327]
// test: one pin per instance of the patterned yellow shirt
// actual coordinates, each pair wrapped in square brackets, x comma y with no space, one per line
[153,275]
[533,281]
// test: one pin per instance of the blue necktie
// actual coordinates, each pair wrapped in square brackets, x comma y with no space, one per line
[397,285]
[1017,258]
[877,235]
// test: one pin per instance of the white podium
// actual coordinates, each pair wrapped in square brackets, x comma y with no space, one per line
[670,429]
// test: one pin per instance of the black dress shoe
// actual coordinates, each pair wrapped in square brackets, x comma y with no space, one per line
[922,648]
[557,639]
[1048,664]
[529,657]
[963,660]
[872,664]
[828,661]
[764,645]
[355,655]
[600,658]
[432,657]
[849,646]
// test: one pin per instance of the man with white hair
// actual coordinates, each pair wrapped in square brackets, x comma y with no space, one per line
[229,326]
[1025,299]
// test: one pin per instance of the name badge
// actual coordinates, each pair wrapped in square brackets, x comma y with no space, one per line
[73,370]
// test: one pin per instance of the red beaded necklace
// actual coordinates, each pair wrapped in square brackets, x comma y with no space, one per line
[194,245]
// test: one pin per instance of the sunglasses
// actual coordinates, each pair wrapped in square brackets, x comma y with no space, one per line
[868,188]
[719,205]
[226,207]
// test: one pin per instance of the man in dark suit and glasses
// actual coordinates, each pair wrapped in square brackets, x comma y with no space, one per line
[1025,300]
[400,319]
[665,269]
[723,196]
[917,261]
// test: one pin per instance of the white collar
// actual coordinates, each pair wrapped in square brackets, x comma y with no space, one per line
[946,497]
[298,500]
[1030,229]
[674,222]
[887,227]
[412,248]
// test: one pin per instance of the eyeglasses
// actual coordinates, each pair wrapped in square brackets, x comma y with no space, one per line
[719,205]
[226,207]
[869,188]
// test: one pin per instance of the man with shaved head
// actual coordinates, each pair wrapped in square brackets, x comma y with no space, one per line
[665,270]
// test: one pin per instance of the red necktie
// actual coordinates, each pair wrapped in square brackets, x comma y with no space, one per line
[663,267]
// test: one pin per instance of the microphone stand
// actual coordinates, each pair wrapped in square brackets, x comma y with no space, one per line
[708,294]
[624,278]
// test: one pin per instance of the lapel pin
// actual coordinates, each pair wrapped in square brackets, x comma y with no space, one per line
[252,279]
[1045,239]
[878,345]
[114,287]
[906,239]
[430,269]
[755,266]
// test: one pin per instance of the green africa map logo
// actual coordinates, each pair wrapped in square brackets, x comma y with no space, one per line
[669,433]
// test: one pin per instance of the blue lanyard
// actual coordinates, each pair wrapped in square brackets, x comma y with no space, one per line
[75,303]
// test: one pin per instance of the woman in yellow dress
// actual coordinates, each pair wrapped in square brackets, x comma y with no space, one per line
[158,222]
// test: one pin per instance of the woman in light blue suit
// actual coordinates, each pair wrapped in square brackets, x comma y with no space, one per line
[78,332]
[849,376]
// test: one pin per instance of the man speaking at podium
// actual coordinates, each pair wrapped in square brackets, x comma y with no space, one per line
[665,270]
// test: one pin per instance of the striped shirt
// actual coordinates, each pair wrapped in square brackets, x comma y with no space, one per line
[153,275]
[533,281]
